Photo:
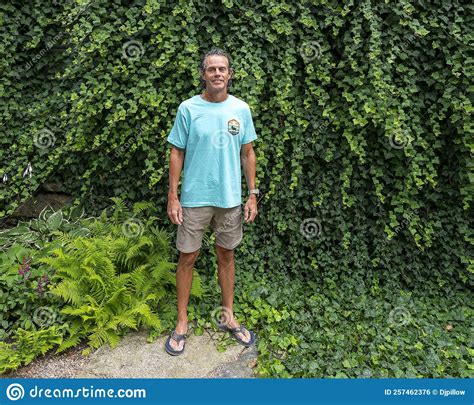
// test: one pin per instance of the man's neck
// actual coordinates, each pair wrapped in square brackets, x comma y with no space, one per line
[215,97]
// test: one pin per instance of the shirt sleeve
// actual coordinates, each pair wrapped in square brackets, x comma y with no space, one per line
[250,134]
[180,131]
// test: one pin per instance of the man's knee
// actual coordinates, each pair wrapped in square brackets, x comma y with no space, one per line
[189,258]
[224,253]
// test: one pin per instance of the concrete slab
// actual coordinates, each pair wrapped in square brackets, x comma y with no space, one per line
[134,357]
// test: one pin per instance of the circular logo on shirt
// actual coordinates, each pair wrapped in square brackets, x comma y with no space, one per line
[233,126]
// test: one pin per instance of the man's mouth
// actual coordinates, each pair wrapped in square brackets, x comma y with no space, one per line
[217,81]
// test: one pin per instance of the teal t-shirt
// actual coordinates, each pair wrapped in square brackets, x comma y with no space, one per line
[212,135]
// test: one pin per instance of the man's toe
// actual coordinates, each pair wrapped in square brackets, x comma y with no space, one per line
[245,336]
[175,345]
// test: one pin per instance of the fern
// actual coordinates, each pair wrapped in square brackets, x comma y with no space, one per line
[141,206]
[111,284]
[69,291]
[28,345]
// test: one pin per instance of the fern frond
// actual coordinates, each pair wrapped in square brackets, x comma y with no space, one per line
[160,269]
[116,300]
[98,338]
[81,311]
[69,291]
[161,240]
[196,287]
[124,319]
[119,250]
[113,338]
[133,251]
[138,277]
[71,341]
[141,206]
[148,317]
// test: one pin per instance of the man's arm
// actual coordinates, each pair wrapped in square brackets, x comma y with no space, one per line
[175,212]
[249,164]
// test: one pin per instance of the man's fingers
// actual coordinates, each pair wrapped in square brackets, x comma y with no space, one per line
[246,214]
[180,216]
[174,217]
[254,214]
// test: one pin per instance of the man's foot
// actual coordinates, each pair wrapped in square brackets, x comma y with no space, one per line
[244,336]
[180,329]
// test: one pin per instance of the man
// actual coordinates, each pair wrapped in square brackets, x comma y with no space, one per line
[212,135]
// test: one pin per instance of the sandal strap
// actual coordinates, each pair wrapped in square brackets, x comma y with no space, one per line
[238,329]
[177,336]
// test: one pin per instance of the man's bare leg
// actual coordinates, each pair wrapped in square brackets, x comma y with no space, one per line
[184,280]
[226,271]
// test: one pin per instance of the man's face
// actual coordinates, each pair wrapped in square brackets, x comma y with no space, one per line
[216,73]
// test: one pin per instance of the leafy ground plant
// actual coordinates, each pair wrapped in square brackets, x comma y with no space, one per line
[118,279]
[94,278]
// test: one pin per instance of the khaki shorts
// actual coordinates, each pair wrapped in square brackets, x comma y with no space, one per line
[225,222]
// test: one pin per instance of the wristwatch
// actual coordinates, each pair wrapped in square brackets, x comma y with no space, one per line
[255,191]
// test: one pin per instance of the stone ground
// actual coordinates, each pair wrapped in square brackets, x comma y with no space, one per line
[135,358]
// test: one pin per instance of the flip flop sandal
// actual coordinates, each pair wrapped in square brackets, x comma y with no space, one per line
[178,337]
[239,329]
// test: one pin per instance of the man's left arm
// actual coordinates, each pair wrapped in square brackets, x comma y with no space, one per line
[249,164]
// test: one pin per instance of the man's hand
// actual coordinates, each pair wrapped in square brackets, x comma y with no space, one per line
[175,212]
[250,210]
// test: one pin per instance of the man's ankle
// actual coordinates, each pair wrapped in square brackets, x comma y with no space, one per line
[182,326]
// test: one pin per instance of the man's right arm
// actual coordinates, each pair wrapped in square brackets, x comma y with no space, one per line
[175,212]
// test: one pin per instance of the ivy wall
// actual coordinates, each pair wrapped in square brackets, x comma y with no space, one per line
[361,108]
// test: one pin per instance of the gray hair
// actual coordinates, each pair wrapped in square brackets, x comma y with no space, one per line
[214,52]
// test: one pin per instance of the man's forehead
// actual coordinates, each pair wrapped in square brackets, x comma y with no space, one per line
[216,61]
